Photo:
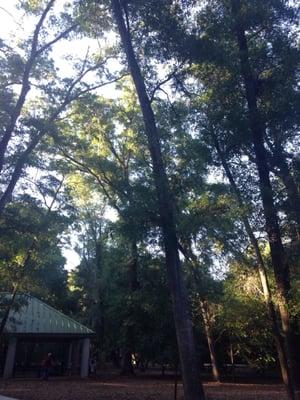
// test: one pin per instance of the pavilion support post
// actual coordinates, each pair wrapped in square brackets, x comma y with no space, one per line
[10,358]
[85,356]
[75,357]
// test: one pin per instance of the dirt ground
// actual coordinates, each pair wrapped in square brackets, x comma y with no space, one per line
[138,388]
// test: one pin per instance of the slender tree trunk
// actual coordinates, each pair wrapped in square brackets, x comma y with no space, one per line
[191,378]
[210,340]
[130,334]
[280,265]
[261,269]
[231,354]
[187,252]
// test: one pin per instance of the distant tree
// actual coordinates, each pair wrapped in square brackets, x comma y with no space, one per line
[31,259]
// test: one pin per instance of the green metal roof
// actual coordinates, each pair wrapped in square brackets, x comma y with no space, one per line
[34,317]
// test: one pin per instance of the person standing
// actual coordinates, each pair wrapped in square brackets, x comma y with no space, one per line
[47,364]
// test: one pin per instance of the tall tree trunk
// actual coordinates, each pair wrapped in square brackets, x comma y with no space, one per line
[280,265]
[261,269]
[191,379]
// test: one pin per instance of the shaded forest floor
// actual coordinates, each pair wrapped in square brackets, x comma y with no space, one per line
[139,388]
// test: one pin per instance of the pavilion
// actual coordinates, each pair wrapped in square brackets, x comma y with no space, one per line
[34,326]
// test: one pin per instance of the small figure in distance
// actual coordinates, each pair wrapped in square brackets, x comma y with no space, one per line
[47,364]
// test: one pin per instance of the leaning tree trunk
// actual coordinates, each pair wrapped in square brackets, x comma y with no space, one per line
[206,316]
[280,265]
[191,380]
[261,269]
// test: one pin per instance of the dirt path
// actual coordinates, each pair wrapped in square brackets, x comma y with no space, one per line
[118,388]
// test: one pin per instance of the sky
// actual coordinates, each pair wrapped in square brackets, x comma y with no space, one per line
[13,25]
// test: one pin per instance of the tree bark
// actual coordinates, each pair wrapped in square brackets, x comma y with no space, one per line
[261,269]
[191,379]
[126,363]
[280,265]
